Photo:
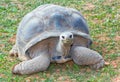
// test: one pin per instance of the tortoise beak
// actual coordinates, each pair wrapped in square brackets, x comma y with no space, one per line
[67,41]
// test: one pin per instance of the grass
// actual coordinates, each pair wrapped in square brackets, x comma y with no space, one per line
[103,17]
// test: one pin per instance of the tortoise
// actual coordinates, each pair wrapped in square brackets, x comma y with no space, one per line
[52,33]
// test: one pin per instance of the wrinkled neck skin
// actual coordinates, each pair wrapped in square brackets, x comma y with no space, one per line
[63,49]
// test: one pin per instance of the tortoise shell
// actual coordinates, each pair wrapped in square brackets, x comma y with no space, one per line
[48,21]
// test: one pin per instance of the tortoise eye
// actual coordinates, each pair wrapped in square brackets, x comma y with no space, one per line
[63,37]
[70,36]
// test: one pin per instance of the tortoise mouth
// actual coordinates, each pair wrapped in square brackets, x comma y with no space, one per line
[67,41]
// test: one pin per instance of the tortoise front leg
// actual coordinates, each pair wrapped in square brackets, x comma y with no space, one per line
[39,63]
[85,56]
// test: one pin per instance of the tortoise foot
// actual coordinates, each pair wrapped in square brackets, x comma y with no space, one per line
[98,65]
[14,52]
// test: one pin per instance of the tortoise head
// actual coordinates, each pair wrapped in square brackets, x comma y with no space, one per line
[66,38]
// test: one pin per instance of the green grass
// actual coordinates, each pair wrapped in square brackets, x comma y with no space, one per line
[103,18]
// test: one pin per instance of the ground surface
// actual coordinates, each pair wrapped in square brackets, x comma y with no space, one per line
[103,17]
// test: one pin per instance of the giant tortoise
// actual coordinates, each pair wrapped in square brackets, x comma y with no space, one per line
[52,33]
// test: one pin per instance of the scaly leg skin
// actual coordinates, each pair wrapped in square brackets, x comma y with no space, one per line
[97,65]
[14,52]
[85,56]
[39,63]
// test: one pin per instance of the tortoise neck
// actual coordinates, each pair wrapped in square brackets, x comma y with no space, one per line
[63,48]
